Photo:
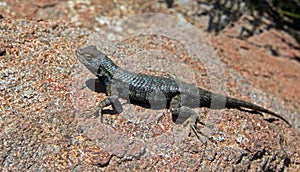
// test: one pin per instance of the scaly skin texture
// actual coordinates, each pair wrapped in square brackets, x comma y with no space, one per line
[156,92]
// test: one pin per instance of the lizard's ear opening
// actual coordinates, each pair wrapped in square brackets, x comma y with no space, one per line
[94,47]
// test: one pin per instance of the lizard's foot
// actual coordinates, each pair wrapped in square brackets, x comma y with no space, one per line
[186,116]
[197,132]
[192,121]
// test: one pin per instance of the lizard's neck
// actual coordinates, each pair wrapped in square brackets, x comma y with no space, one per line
[107,68]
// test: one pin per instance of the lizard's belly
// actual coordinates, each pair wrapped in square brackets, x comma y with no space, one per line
[153,98]
[150,97]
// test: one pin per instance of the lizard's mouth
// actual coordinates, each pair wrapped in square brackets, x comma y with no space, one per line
[80,56]
[78,53]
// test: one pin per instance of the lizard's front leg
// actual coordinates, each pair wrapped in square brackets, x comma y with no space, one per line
[112,100]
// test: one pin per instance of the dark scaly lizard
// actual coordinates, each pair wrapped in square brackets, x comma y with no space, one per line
[156,92]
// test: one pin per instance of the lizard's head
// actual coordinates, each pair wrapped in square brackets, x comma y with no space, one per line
[91,57]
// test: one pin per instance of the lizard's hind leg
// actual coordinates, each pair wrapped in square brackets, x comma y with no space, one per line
[183,114]
[186,116]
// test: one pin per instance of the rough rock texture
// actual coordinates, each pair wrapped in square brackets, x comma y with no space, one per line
[46,118]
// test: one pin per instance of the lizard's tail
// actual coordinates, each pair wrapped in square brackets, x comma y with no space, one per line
[235,103]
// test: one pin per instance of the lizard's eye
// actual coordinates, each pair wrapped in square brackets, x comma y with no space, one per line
[88,56]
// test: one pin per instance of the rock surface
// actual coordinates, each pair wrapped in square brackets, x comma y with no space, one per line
[47,123]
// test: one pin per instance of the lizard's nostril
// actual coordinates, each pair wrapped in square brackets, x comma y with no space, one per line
[78,52]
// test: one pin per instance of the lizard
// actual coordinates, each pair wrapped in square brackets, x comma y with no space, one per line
[156,91]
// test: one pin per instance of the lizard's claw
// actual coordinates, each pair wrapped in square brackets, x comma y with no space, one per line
[98,112]
[194,129]
[197,132]
[82,87]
